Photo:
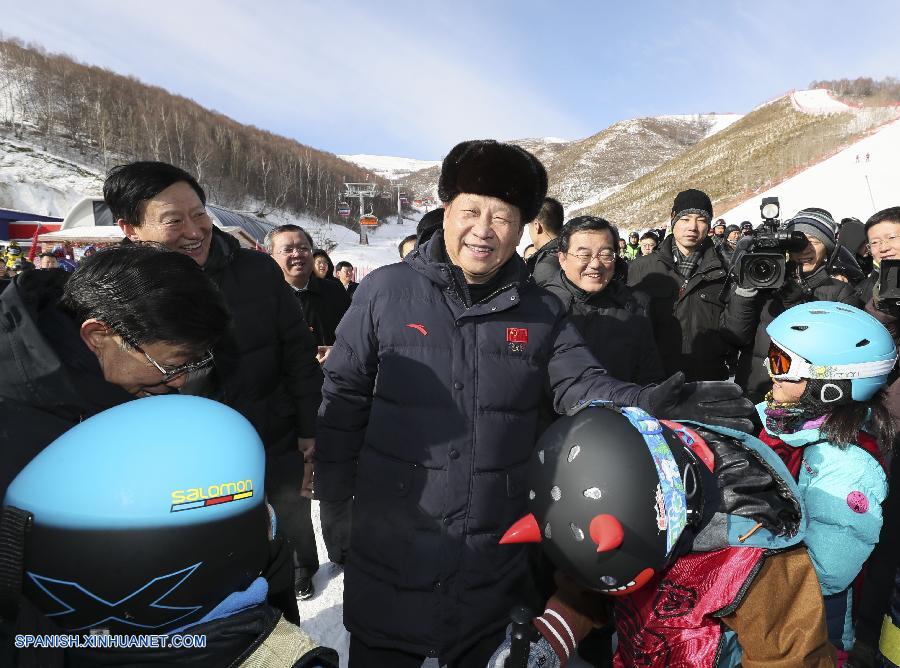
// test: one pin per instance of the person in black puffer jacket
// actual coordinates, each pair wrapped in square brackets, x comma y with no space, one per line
[684,279]
[266,366]
[74,345]
[609,315]
[749,312]
[430,412]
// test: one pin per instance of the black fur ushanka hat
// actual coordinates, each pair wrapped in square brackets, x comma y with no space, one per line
[492,168]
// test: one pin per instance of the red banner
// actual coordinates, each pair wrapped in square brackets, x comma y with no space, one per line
[34,239]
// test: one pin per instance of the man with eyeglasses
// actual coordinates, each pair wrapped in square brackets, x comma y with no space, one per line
[608,314]
[265,366]
[882,232]
[883,238]
[324,302]
[431,409]
[132,321]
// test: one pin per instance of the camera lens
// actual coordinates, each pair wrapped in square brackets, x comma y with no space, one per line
[763,272]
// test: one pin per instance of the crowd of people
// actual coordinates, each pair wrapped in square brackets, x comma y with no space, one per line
[706,465]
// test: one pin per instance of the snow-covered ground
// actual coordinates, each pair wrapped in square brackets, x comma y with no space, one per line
[817,101]
[389,167]
[322,615]
[846,184]
[382,248]
[40,182]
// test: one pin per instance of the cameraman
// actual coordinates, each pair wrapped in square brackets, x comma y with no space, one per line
[683,279]
[750,311]
[883,237]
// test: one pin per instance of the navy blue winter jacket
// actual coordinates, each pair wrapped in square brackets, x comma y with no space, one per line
[429,414]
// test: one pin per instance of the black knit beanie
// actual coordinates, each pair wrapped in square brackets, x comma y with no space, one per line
[692,201]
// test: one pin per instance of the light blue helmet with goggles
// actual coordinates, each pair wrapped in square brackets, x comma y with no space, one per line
[832,341]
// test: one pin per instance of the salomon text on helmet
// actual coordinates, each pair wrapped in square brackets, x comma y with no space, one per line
[831,341]
[143,517]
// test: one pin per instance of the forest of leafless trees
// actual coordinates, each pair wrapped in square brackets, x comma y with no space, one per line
[887,89]
[104,119]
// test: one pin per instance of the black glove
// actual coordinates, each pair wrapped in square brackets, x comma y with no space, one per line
[716,402]
[750,488]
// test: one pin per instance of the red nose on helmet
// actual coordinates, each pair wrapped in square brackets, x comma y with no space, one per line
[525,530]
[607,532]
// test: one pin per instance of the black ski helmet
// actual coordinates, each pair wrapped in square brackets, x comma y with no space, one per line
[610,493]
[142,518]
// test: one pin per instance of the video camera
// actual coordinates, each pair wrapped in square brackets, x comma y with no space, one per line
[759,260]
[889,278]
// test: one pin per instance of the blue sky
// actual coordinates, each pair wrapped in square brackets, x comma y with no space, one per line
[412,78]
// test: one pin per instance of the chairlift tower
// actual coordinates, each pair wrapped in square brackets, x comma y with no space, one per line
[360,190]
[399,187]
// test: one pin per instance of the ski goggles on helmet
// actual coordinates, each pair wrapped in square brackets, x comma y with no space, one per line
[784,364]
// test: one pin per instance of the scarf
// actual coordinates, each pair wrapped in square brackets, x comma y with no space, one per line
[786,418]
[685,264]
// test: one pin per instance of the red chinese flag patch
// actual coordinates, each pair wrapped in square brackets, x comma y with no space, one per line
[516,335]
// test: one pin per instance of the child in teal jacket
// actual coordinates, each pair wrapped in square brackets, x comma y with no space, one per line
[826,419]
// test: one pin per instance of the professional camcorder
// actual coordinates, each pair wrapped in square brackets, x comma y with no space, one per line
[759,260]
[889,283]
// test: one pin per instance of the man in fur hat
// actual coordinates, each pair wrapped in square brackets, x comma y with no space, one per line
[431,409]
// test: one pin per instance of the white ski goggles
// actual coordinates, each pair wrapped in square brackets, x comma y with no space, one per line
[784,364]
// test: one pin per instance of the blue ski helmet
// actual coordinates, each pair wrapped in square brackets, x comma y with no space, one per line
[832,341]
[144,517]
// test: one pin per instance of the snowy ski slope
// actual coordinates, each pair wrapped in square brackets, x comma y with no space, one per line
[846,184]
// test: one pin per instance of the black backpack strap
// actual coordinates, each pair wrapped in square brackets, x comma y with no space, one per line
[14,523]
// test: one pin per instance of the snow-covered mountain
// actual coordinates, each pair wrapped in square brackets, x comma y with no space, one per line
[586,171]
[627,169]
[387,166]
[582,172]
[777,141]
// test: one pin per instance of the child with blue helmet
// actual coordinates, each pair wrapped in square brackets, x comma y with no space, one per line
[826,418]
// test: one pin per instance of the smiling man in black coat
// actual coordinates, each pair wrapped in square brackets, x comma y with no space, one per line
[266,366]
[431,409]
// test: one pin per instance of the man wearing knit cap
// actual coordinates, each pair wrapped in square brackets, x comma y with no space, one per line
[749,311]
[431,409]
[718,235]
[727,247]
[820,230]
[683,279]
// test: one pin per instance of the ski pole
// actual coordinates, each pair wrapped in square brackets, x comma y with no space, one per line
[520,637]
